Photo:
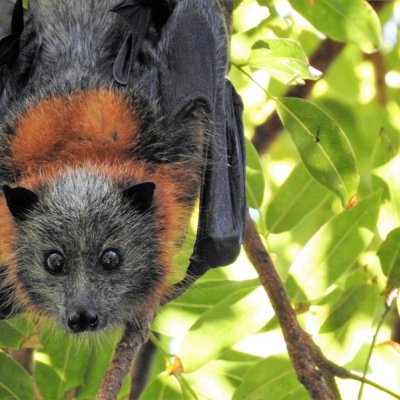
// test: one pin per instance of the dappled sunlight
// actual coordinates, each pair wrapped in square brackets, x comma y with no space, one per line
[366,75]
[280,170]
[263,344]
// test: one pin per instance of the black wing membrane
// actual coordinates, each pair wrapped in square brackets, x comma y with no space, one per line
[188,68]
[192,72]
[10,33]
[222,199]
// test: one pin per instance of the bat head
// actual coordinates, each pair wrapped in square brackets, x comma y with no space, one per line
[87,249]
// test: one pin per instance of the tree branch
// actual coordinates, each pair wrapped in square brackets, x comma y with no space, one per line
[125,352]
[300,354]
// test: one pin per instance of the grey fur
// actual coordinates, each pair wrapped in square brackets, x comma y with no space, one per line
[69,46]
[80,215]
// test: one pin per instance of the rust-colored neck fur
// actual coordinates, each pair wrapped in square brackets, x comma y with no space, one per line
[95,125]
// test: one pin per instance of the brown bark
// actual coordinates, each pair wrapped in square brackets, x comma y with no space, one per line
[299,350]
[125,353]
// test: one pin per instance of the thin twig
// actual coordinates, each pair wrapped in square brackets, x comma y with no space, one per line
[328,366]
[371,349]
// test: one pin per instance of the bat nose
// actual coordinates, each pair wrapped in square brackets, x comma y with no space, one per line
[82,320]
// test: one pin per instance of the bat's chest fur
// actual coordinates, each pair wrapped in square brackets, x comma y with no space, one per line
[87,126]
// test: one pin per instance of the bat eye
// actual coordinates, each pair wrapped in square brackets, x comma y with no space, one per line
[54,262]
[110,259]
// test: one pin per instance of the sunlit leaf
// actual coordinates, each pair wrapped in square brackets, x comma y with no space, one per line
[323,147]
[390,174]
[239,315]
[385,370]
[283,59]
[385,149]
[162,388]
[299,196]
[346,21]
[187,392]
[255,183]
[248,14]
[389,255]
[185,310]
[222,375]
[15,380]
[335,247]
[348,305]
[272,378]
[347,326]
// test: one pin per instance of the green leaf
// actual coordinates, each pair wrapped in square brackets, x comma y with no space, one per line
[323,147]
[385,368]
[223,375]
[335,247]
[183,312]
[348,305]
[61,365]
[298,197]
[187,392]
[342,336]
[162,388]
[15,331]
[272,378]
[248,15]
[48,381]
[239,315]
[98,362]
[389,255]
[343,20]
[15,380]
[385,148]
[255,182]
[283,59]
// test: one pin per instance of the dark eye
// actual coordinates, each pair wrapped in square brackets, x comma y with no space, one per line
[54,262]
[110,259]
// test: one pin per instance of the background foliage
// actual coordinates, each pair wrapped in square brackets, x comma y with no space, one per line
[325,194]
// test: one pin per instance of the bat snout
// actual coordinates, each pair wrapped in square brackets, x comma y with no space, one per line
[80,320]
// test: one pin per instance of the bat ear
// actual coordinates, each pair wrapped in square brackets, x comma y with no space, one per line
[20,201]
[137,14]
[141,195]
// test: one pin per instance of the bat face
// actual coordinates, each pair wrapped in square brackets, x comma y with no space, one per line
[87,251]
